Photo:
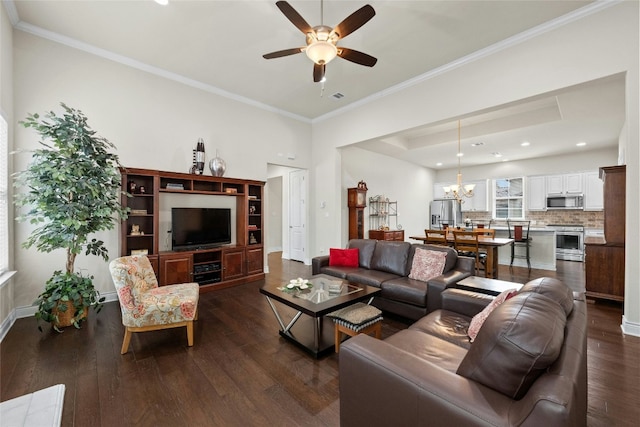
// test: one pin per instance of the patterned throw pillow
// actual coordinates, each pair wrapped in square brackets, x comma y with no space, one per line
[478,319]
[427,264]
[343,257]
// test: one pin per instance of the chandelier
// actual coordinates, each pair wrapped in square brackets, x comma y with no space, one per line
[457,190]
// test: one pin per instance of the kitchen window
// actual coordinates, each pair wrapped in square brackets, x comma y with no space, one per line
[508,198]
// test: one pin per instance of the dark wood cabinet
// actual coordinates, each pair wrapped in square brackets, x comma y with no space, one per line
[232,264]
[211,268]
[605,258]
[614,193]
[176,268]
[255,260]
[397,235]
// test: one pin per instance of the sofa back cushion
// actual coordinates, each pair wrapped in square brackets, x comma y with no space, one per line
[391,257]
[365,250]
[519,340]
[552,288]
[452,255]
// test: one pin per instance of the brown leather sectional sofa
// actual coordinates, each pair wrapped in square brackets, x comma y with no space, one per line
[526,367]
[387,264]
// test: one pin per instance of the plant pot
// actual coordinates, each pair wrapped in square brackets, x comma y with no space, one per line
[65,318]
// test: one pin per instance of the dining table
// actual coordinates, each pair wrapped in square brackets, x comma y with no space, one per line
[489,244]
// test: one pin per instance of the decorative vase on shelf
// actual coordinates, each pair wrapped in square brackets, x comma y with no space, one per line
[217,166]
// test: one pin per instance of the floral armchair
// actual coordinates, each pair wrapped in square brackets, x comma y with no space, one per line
[147,307]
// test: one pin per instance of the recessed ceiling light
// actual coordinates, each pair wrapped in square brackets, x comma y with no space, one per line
[477,144]
[525,143]
[439,164]
[460,154]
[162,2]
[496,154]
[581,144]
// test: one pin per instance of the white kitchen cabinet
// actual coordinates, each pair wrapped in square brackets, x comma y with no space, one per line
[593,192]
[536,193]
[479,201]
[565,184]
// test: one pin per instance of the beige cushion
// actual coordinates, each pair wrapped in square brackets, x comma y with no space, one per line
[356,314]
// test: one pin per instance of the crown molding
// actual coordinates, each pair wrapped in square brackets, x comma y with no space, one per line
[130,62]
[553,24]
[522,37]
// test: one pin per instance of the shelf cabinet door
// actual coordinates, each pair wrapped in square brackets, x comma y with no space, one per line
[176,268]
[255,261]
[233,264]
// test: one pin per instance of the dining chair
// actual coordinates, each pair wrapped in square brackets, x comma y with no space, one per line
[519,232]
[145,306]
[466,244]
[436,237]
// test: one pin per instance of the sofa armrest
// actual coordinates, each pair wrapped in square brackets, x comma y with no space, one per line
[465,302]
[438,284]
[318,262]
[466,264]
[382,385]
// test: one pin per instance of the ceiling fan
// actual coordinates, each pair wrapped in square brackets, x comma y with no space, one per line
[322,40]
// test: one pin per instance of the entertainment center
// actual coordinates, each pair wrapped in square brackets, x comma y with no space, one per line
[210,258]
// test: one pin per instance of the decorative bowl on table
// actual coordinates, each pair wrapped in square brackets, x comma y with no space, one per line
[298,284]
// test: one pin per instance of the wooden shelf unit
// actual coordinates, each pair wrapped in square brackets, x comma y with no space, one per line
[212,268]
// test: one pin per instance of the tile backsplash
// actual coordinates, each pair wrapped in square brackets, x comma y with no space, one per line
[589,219]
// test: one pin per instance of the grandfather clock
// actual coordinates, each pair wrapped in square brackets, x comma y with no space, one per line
[357,201]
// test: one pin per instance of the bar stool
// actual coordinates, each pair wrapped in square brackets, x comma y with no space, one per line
[519,232]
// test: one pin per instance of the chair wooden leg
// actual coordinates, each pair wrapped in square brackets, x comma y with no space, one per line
[125,342]
[337,339]
[190,333]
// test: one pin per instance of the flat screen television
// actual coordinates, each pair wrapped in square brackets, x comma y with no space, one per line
[200,228]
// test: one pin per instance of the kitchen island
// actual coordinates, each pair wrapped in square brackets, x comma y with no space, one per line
[542,249]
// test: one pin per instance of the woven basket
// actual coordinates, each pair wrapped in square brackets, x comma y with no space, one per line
[65,318]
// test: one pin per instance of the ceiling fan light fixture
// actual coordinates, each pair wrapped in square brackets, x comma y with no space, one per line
[321,52]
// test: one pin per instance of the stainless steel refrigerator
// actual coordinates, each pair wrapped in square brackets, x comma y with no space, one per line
[445,211]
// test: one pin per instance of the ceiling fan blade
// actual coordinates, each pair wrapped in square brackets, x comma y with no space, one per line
[357,57]
[354,21]
[318,72]
[294,17]
[282,53]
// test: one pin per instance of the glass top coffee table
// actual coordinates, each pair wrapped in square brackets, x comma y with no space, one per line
[323,295]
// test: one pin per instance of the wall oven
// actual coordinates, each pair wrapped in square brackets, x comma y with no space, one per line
[569,242]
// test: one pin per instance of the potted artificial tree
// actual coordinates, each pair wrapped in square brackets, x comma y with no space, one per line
[71,189]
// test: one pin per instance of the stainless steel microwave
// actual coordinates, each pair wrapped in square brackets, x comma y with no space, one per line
[565,202]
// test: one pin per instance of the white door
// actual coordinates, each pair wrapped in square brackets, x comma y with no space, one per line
[297,214]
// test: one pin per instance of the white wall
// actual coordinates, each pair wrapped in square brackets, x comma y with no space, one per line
[154,123]
[596,46]
[410,185]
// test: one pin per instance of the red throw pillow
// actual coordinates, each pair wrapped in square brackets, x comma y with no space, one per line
[343,257]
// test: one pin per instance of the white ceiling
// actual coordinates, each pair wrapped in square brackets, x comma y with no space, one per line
[218,46]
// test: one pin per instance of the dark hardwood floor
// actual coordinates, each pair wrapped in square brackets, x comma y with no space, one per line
[240,372]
